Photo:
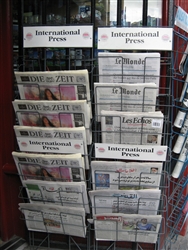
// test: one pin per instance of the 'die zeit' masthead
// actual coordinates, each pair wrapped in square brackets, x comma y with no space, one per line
[54,35]
[130,36]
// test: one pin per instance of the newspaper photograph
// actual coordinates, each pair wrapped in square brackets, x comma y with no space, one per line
[138,97]
[71,194]
[52,140]
[66,114]
[127,227]
[143,201]
[54,85]
[54,219]
[137,128]
[129,67]
[125,175]
[50,167]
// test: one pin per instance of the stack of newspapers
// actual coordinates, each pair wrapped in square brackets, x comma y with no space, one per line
[54,99]
[53,135]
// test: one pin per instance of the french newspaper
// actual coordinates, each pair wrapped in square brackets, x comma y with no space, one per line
[66,114]
[54,219]
[52,140]
[71,194]
[143,201]
[129,67]
[125,175]
[137,128]
[138,97]
[127,227]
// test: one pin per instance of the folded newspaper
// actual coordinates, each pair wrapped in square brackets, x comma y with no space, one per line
[143,201]
[70,194]
[52,140]
[50,167]
[54,85]
[137,128]
[66,114]
[183,65]
[125,175]
[54,219]
[127,227]
[138,97]
[129,67]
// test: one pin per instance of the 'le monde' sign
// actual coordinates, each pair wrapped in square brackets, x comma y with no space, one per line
[58,36]
[135,38]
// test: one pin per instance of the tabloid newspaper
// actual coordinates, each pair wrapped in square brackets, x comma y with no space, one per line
[50,167]
[52,140]
[137,128]
[143,201]
[71,194]
[66,114]
[54,85]
[129,67]
[54,219]
[127,227]
[125,175]
[138,97]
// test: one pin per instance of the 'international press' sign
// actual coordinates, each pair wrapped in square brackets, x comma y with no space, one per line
[135,38]
[58,36]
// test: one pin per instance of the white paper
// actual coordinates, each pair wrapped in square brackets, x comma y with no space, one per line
[143,201]
[127,227]
[52,140]
[125,175]
[137,97]
[139,128]
[71,194]
[54,219]
[129,67]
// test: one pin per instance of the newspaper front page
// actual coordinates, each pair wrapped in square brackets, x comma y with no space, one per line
[138,97]
[143,201]
[125,175]
[137,128]
[66,114]
[52,140]
[127,227]
[50,167]
[71,194]
[54,85]
[129,67]
[54,219]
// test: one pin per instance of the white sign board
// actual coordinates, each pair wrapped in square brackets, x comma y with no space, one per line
[181,19]
[50,145]
[58,36]
[135,38]
[131,152]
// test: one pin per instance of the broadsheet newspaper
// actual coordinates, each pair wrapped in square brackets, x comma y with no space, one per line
[54,85]
[143,201]
[138,97]
[137,128]
[54,219]
[50,167]
[71,194]
[125,175]
[127,227]
[52,140]
[66,114]
[129,67]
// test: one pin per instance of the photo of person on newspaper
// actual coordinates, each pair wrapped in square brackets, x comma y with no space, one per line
[144,225]
[32,93]
[30,119]
[46,176]
[30,171]
[152,139]
[46,122]
[48,95]
[154,171]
